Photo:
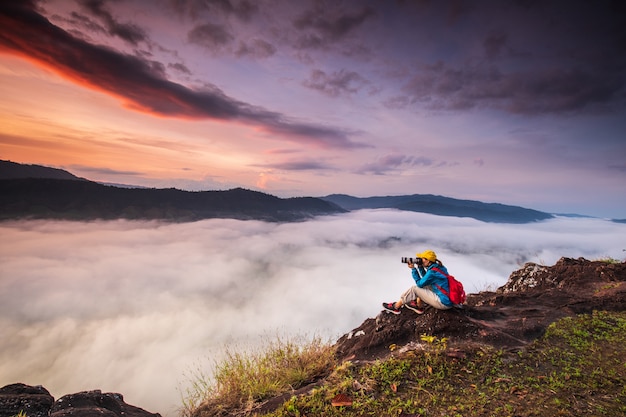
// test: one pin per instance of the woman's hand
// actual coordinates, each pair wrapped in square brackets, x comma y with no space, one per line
[410,265]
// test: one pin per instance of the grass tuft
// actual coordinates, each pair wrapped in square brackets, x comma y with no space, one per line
[610,260]
[245,379]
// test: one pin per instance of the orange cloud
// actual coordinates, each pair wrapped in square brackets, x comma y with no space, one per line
[139,84]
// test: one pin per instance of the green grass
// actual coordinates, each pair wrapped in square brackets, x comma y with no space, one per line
[576,369]
[244,379]
[610,260]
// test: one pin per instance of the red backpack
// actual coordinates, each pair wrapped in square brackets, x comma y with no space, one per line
[457,293]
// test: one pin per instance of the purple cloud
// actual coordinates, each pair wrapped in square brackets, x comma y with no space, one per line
[335,84]
[141,84]
[256,48]
[129,32]
[211,36]
[392,162]
[321,26]
[243,10]
[552,90]
[301,165]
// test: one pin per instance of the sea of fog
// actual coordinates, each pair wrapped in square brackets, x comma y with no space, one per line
[140,307]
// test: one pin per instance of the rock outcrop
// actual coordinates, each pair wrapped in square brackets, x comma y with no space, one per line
[37,402]
[32,401]
[511,317]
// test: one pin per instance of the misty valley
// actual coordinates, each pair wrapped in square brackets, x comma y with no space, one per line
[126,297]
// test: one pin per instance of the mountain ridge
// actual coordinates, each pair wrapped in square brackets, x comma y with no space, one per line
[14,170]
[35,191]
[45,198]
[442,206]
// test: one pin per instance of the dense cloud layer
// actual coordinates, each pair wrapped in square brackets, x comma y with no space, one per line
[133,307]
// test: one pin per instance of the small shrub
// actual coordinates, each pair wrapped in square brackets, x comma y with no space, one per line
[609,260]
[245,378]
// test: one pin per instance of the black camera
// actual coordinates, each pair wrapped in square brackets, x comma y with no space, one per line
[416,261]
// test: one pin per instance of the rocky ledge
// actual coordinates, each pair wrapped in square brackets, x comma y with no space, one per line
[20,399]
[510,317]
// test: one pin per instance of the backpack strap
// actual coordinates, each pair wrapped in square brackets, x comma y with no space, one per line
[444,292]
[434,268]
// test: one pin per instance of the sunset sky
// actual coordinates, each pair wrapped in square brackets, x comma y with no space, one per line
[516,102]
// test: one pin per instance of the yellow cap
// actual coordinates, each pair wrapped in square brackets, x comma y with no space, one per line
[428,254]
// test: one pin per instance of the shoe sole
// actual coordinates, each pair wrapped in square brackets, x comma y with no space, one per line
[391,311]
[417,310]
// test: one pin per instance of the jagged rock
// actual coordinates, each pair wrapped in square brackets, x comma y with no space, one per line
[567,273]
[95,403]
[512,316]
[531,275]
[37,402]
[34,401]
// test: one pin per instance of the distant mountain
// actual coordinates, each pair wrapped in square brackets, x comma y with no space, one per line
[34,191]
[442,206]
[38,192]
[46,198]
[13,170]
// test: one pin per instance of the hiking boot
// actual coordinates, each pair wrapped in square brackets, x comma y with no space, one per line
[391,308]
[412,305]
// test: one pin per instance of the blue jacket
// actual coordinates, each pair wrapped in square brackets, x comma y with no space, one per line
[430,277]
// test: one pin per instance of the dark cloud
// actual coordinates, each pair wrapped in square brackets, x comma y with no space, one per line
[129,32]
[322,25]
[256,48]
[397,102]
[180,68]
[494,44]
[313,134]
[392,162]
[84,22]
[335,84]
[303,165]
[211,36]
[243,10]
[526,58]
[552,90]
[141,84]
[558,91]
